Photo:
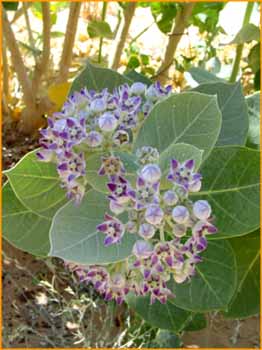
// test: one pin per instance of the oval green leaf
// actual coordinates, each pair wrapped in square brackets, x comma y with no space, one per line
[188,117]
[231,186]
[246,301]
[37,185]
[233,107]
[23,228]
[165,316]
[74,236]
[214,284]
[96,78]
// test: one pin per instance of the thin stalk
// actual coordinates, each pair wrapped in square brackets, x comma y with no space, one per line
[177,31]
[121,36]
[69,41]
[141,33]
[41,67]
[29,30]
[104,8]
[5,71]
[17,62]
[162,234]
[20,12]
[240,47]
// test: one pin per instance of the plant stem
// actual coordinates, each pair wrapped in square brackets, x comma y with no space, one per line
[104,8]
[141,33]
[29,30]
[178,28]
[42,67]
[162,234]
[17,62]
[121,36]
[19,12]
[240,47]
[5,71]
[69,41]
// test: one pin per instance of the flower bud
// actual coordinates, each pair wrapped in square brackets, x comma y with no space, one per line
[94,139]
[151,93]
[107,122]
[195,186]
[116,207]
[154,215]
[180,276]
[181,192]
[131,227]
[202,210]
[137,88]
[142,249]
[170,198]
[146,231]
[151,173]
[98,105]
[179,230]
[180,214]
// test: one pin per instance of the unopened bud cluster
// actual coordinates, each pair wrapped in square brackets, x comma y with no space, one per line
[92,120]
[171,229]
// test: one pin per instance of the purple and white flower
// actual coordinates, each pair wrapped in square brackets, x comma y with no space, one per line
[111,166]
[184,176]
[113,229]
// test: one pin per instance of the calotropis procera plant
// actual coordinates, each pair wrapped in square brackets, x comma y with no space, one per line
[148,194]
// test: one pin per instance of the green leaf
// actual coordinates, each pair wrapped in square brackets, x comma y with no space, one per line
[198,322]
[97,78]
[213,285]
[254,58]
[99,29]
[181,152]
[99,182]
[246,301]
[232,104]
[231,186]
[246,34]
[135,76]
[188,117]
[37,185]
[257,80]
[202,76]
[23,228]
[164,14]
[10,5]
[133,62]
[253,105]
[165,316]
[74,236]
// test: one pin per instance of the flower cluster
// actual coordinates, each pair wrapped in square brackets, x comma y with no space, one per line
[92,120]
[171,229]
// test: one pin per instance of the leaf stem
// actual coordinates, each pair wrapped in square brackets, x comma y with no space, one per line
[103,16]
[240,47]
[141,33]
[162,234]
